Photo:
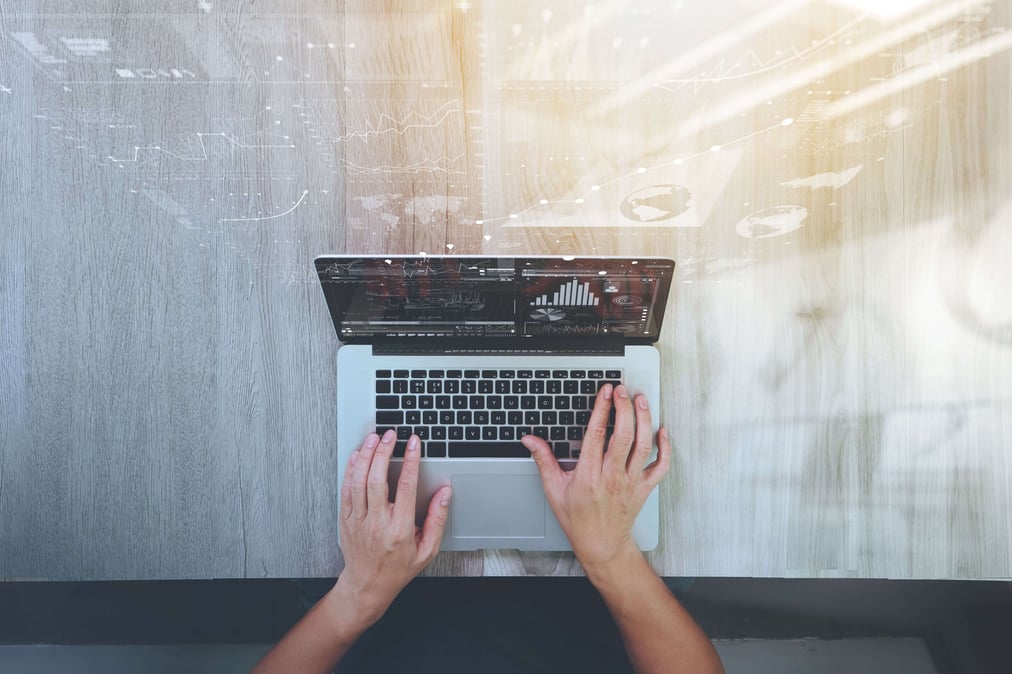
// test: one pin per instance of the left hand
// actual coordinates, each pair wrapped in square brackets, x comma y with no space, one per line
[383,548]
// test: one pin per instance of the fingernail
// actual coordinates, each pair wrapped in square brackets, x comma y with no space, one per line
[372,441]
[622,392]
[642,402]
[354,457]
[445,500]
[413,443]
[607,391]
[389,435]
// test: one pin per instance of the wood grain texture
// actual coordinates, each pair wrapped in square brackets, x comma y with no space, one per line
[837,351]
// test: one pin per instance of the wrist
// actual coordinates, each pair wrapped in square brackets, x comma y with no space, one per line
[348,612]
[617,571]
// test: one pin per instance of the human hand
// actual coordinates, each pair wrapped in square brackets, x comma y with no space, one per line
[383,548]
[597,503]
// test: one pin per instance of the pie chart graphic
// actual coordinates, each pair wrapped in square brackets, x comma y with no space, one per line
[627,301]
[548,315]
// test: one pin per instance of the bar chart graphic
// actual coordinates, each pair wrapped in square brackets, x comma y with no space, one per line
[571,294]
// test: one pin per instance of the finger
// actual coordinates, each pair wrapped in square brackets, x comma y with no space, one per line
[656,471]
[625,431]
[346,508]
[378,491]
[360,478]
[597,430]
[434,525]
[644,436]
[548,466]
[407,484]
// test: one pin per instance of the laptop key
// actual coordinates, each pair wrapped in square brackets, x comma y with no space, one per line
[443,402]
[524,374]
[493,402]
[471,374]
[467,450]
[567,418]
[613,374]
[561,450]
[382,386]
[409,402]
[542,374]
[422,432]
[577,374]
[588,387]
[511,402]
[382,374]
[549,418]
[460,402]
[451,386]
[485,386]
[499,418]
[596,374]
[401,386]
[401,374]
[430,418]
[477,402]
[541,432]
[489,374]
[528,402]
[472,433]
[574,433]
[435,374]
[399,448]
[417,386]
[557,433]
[522,431]
[446,418]
[388,402]
[456,432]
[507,374]
[435,450]
[403,432]
[418,374]
[537,387]
[389,418]
[481,417]
[532,418]
[562,402]
[439,432]
[464,417]
[489,433]
[519,387]
[434,386]
[560,374]
[507,433]
[468,386]
[553,386]
[515,418]
[571,387]
[453,374]
[545,402]
[412,417]
[582,418]
[425,402]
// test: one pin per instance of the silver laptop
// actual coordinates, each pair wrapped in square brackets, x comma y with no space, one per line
[471,353]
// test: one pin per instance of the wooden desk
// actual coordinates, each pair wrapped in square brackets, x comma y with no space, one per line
[836,189]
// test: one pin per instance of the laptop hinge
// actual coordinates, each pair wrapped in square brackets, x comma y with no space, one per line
[451,347]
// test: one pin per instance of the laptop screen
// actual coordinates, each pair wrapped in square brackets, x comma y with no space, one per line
[495,297]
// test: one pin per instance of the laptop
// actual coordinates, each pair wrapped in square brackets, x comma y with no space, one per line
[470,353]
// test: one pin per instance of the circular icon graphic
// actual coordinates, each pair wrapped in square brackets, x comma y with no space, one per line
[655,203]
[772,222]
[627,300]
[548,315]
[624,328]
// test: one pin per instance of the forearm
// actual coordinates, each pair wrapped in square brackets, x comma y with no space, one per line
[659,635]
[318,642]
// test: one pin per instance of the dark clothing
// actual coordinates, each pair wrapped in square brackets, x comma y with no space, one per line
[491,627]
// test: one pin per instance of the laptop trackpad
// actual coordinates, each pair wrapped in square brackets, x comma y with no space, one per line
[497,506]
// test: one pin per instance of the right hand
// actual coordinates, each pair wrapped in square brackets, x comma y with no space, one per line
[597,503]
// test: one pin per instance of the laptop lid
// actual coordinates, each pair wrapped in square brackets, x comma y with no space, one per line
[513,301]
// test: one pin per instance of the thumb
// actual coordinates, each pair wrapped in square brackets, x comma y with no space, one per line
[435,524]
[544,459]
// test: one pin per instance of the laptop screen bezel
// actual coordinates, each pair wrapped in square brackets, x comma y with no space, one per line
[322,262]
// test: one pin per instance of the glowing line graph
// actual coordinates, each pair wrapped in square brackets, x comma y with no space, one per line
[721,74]
[203,149]
[269,217]
[401,127]
[417,167]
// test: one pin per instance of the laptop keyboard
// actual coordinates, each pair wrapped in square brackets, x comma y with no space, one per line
[484,413]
